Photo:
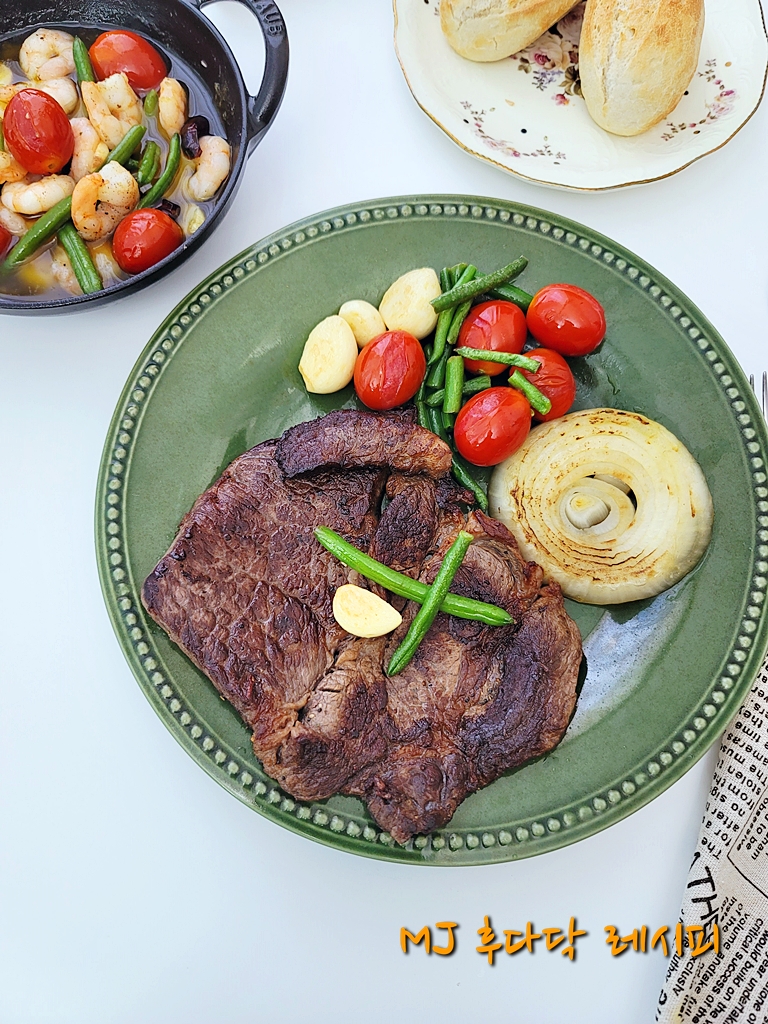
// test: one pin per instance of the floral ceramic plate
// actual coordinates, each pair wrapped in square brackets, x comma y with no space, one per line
[664,676]
[525,113]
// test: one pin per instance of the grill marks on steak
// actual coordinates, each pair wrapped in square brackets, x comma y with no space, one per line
[247,592]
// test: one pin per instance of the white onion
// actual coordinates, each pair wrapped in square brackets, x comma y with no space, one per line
[611,504]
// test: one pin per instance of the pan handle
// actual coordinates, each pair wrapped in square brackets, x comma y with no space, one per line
[263,107]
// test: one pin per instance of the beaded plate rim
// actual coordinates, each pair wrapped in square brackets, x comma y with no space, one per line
[355,833]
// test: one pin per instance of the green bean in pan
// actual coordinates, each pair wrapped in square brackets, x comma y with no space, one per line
[43,231]
[50,223]
[422,414]
[162,184]
[86,273]
[82,61]
[425,616]
[404,586]
[148,164]
[491,356]
[479,285]
[2,138]
[150,103]
[460,314]
[123,152]
[461,473]
[539,401]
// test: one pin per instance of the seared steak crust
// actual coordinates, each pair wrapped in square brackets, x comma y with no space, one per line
[246,591]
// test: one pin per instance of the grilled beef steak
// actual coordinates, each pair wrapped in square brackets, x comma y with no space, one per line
[246,591]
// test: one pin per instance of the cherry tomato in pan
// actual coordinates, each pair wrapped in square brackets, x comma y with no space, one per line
[566,318]
[554,379]
[120,50]
[389,370]
[492,425]
[37,132]
[5,241]
[498,326]
[143,238]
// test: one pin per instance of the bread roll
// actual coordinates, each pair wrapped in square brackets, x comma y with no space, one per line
[637,58]
[492,29]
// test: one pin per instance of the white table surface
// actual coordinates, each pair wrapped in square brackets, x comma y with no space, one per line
[132,887]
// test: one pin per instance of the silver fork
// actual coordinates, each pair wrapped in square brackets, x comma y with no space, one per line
[764,391]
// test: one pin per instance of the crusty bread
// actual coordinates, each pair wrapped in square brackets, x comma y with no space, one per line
[492,29]
[637,58]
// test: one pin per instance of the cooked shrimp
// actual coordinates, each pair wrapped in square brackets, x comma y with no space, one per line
[113,107]
[90,152]
[102,199]
[46,54]
[211,168]
[13,222]
[10,169]
[7,92]
[63,273]
[64,91]
[171,106]
[34,197]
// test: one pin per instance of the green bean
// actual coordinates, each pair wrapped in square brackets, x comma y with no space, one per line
[422,414]
[507,358]
[404,586]
[133,165]
[454,384]
[448,279]
[539,401]
[436,423]
[82,61]
[470,387]
[436,374]
[510,293]
[425,616]
[2,138]
[461,473]
[479,285]
[448,419]
[459,316]
[86,273]
[42,231]
[150,103]
[158,190]
[51,223]
[148,163]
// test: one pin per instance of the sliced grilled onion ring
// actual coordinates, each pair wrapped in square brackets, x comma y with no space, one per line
[611,504]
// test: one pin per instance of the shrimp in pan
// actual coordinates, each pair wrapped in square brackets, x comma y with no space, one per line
[211,168]
[64,91]
[34,197]
[90,152]
[46,54]
[101,200]
[113,107]
[10,169]
[171,106]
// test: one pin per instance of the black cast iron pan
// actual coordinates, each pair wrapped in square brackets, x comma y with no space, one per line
[179,27]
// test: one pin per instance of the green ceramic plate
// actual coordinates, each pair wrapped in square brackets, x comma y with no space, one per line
[664,676]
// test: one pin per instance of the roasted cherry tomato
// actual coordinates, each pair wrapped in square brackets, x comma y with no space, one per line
[120,50]
[143,238]
[554,379]
[389,370]
[566,318]
[5,241]
[37,132]
[492,426]
[498,326]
